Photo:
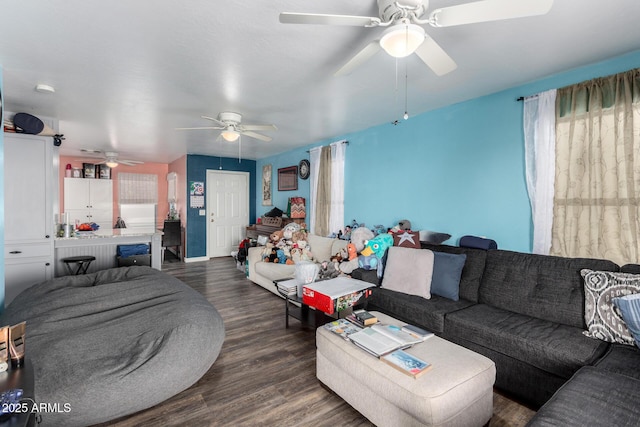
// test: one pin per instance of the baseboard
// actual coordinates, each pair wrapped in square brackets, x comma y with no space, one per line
[196,259]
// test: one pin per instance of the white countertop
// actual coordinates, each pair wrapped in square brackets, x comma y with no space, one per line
[112,232]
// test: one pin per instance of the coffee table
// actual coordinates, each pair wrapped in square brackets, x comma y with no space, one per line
[296,308]
[456,391]
[316,311]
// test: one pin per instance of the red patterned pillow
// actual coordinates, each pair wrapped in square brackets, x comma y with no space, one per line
[406,239]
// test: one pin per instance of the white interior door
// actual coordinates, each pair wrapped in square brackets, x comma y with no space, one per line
[227,211]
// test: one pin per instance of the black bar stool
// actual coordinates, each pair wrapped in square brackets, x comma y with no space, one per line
[81,264]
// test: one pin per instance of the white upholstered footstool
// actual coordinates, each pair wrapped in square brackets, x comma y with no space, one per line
[456,391]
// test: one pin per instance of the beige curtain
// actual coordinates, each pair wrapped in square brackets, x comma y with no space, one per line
[596,202]
[323,195]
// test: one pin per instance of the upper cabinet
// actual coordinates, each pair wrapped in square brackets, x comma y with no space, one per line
[28,188]
[89,200]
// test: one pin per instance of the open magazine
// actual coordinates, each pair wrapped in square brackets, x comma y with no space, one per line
[382,339]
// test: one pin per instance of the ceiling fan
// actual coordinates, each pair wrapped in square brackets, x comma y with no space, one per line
[110,158]
[404,34]
[232,127]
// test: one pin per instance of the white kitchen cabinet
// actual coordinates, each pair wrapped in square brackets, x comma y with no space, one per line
[29,228]
[89,200]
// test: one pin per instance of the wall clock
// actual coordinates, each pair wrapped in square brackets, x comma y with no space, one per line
[304,168]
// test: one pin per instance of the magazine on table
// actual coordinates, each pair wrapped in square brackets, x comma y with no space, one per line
[382,339]
[406,363]
[342,327]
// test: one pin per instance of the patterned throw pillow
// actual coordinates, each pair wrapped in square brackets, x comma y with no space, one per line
[406,239]
[604,320]
[630,308]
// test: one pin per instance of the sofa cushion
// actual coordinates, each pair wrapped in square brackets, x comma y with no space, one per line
[274,271]
[592,398]
[629,306]
[428,314]
[546,287]
[603,320]
[549,346]
[472,271]
[630,268]
[621,359]
[409,270]
[447,269]
[321,247]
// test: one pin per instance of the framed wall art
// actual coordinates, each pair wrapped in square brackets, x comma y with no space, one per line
[266,185]
[288,178]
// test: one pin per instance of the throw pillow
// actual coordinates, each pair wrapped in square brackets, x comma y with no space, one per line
[603,319]
[629,306]
[447,269]
[406,239]
[409,271]
[433,237]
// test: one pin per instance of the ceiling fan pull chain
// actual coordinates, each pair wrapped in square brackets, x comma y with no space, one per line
[406,89]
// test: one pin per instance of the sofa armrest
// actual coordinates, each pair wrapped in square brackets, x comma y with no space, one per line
[254,255]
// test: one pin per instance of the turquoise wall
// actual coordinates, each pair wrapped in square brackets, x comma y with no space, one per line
[458,169]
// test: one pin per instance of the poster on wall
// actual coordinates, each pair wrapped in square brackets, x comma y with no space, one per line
[266,185]
[196,194]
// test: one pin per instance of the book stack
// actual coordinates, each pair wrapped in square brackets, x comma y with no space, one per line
[362,318]
[288,287]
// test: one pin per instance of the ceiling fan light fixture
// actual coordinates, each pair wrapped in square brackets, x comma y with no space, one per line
[230,135]
[402,39]
[111,163]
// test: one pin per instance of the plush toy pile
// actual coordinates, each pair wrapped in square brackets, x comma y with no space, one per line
[366,248]
[288,246]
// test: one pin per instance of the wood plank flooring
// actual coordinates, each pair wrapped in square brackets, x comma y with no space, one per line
[265,374]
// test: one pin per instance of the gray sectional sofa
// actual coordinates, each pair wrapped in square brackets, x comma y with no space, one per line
[526,313]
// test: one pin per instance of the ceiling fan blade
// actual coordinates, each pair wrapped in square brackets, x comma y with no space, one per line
[258,127]
[435,57]
[360,58]
[488,10]
[223,124]
[202,127]
[323,19]
[129,162]
[257,136]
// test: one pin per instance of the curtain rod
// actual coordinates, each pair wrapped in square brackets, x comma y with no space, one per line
[344,142]
[522,98]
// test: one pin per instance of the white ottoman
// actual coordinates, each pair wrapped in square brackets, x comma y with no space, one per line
[456,391]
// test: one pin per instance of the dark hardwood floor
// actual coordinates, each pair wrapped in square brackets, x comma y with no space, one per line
[265,374]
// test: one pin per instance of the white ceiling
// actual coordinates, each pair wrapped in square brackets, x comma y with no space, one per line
[127,73]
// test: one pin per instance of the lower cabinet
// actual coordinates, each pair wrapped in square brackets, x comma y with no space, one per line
[25,265]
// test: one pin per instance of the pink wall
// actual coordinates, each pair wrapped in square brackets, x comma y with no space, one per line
[160,169]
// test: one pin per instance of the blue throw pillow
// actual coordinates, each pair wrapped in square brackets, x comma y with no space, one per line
[447,269]
[629,306]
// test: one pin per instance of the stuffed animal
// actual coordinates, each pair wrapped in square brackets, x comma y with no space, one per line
[328,270]
[272,256]
[282,259]
[276,236]
[359,236]
[352,253]
[289,229]
[347,267]
[378,245]
[347,233]
[305,254]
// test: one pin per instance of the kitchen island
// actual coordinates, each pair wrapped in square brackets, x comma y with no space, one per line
[103,244]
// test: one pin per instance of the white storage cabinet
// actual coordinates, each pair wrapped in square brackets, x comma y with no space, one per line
[29,228]
[89,200]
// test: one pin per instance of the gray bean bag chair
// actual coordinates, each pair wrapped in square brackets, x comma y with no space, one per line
[114,342]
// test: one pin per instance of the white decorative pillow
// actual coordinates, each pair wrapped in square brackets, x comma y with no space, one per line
[604,320]
[409,271]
